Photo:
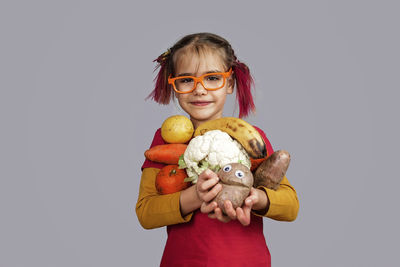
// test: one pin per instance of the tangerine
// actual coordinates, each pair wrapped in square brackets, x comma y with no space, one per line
[170,179]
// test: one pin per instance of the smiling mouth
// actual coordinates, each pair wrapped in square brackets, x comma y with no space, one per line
[200,103]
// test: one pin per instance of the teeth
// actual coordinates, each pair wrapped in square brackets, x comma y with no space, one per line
[241,131]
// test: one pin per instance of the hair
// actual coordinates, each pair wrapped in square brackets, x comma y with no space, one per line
[197,43]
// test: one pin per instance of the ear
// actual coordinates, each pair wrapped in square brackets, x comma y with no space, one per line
[230,84]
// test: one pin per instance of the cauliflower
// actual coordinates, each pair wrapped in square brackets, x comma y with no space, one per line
[212,150]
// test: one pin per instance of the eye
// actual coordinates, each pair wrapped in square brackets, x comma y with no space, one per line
[239,174]
[227,168]
[213,78]
[185,80]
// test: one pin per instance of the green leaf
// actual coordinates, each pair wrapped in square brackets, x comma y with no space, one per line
[192,179]
[181,162]
[215,168]
[204,164]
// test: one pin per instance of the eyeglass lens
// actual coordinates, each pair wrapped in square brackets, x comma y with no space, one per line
[209,81]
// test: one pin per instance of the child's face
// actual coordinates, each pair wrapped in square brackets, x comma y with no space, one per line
[202,105]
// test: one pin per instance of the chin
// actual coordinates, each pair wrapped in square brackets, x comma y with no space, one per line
[203,117]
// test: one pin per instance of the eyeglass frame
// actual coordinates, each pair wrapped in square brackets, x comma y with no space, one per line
[199,79]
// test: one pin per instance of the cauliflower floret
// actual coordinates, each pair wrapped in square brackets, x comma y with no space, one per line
[212,150]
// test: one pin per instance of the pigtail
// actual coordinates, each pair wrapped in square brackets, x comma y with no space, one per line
[244,82]
[161,93]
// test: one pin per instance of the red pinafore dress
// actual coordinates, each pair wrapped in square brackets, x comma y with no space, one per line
[208,242]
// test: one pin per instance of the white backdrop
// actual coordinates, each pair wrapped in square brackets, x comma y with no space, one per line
[74,124]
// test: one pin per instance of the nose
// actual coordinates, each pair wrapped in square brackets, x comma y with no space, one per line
[199,90]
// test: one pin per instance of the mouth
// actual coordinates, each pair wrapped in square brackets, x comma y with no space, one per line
[200,103]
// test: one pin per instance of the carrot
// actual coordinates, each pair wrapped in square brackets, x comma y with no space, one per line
[256,162]
[167,153]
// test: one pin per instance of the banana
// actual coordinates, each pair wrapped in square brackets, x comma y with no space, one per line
[241,131]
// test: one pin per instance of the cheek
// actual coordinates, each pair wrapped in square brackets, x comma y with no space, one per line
[182,100]
[221,95]
[179,97]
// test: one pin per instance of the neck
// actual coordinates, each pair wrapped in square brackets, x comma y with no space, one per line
[198,122]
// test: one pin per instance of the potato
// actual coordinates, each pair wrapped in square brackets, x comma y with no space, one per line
[236,180]
[272,170]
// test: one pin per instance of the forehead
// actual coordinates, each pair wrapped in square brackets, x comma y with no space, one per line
[198,62]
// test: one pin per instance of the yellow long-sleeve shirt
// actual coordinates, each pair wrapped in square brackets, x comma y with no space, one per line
[154,210]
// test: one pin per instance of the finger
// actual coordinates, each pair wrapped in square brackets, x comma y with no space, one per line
[229,210]
[204,186]
[210,195]
[207,174]
[249,202]
[243,217]
[253,192]
[220,216]
[247,212]
[251,199]
[204,177]
[212,215]
[208,207]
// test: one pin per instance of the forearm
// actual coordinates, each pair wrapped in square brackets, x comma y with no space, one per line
[262,205]
[283,204]
[189,201]
[154,210]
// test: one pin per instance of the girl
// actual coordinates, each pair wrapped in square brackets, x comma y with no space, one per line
[198,233]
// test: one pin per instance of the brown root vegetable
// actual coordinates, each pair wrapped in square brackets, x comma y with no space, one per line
[236,180]
[271,172]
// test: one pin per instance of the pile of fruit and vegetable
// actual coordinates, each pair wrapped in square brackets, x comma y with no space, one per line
[229,146]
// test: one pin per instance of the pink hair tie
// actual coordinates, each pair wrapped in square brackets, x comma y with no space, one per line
[163,57]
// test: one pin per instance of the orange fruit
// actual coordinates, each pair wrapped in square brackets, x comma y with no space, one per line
[170,179]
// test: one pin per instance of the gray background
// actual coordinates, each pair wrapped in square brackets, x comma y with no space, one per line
[74,124]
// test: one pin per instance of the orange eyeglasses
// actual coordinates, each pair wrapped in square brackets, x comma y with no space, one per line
[210,81]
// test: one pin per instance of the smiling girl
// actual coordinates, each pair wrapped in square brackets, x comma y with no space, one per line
[200,70]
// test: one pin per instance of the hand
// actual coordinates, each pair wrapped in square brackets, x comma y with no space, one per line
[218,214]
[242,214]
[207,188]
[257,200]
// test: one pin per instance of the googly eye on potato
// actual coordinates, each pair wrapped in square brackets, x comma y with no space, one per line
[227,168]
[239,174]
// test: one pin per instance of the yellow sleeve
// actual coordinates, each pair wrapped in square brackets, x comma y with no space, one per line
[283,203]
[154,210]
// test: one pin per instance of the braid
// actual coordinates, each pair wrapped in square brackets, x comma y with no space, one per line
[161,93]
[231,55]
[244,82]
